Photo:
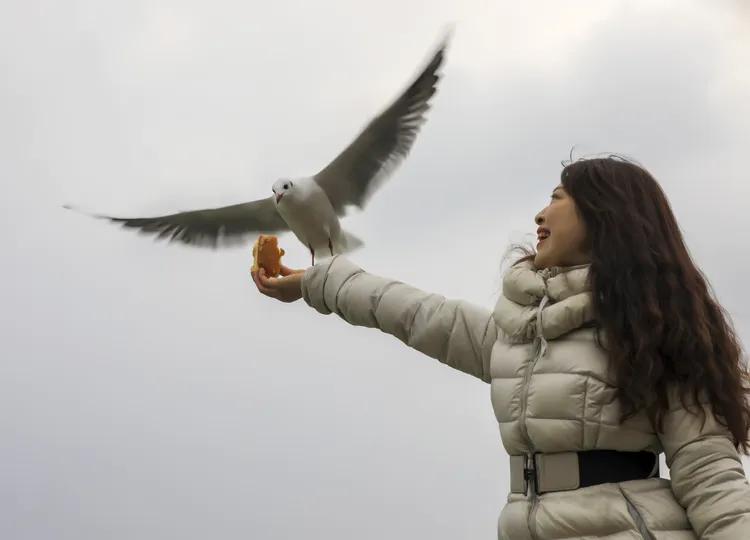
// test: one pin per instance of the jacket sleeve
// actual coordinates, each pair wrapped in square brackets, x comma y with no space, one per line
[455,332]
[706,473]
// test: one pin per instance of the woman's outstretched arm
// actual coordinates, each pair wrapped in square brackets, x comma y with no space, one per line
[455,332]
[706,472]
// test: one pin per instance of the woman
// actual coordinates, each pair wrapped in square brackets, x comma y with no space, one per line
[604,350]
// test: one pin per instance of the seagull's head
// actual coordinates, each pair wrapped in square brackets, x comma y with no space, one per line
[281,188]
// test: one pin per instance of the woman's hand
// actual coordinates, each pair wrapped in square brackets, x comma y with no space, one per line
[286,288]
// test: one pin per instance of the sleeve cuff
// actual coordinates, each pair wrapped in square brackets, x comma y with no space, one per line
[321,282]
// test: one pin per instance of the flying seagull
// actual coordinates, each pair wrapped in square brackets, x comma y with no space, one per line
[310,207]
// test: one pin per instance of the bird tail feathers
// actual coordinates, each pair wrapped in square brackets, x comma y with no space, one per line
[348,242]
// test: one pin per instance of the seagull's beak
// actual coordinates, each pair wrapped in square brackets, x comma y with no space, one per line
[278,197]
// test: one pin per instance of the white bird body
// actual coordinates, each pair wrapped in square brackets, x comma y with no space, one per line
[311,217]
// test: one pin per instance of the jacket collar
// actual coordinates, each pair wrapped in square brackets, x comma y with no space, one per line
[545,303]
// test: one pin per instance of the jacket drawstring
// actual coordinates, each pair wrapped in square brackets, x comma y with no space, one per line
[539,332]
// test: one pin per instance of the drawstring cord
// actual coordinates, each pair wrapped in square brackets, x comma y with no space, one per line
[539,333]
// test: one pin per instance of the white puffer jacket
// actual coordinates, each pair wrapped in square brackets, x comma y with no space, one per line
[551,392]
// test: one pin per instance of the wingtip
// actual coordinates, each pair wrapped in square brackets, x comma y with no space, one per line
[439,51]
[73,208]
[84,212]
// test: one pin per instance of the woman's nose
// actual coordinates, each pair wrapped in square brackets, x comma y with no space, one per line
[539,219]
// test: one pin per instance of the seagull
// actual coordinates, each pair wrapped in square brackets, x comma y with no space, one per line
[310,207]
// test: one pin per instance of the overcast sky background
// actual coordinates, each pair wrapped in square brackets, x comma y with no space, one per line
[149,391]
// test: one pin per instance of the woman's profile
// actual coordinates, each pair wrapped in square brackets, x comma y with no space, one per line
[606,348]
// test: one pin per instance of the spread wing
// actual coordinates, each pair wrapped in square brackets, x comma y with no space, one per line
[212,227]
[365,164]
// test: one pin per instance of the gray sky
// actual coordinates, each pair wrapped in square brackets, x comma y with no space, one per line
[148,391]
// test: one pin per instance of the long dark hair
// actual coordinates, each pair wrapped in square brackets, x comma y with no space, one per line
[658,311]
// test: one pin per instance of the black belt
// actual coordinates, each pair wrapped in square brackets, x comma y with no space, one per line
[562,471]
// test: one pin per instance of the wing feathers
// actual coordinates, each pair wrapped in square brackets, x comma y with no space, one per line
[212,227]
[363,166]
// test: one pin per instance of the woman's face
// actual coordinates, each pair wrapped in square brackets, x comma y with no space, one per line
[567,234]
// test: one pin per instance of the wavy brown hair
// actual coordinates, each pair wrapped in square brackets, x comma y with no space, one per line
[658,311]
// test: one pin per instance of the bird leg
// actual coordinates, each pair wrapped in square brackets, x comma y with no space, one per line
[311,253]
[330,247]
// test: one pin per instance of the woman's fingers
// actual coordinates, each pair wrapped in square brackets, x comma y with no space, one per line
[286,271]
[258,279]
[286,288]
[265,280]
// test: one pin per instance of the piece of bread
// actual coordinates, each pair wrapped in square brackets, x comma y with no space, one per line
[267,254]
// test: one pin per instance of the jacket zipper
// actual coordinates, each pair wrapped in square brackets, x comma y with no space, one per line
[530,366]
[525,395]
[637,517]
[531,482]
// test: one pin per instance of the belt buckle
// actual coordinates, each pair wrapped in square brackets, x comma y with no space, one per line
[529,473]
